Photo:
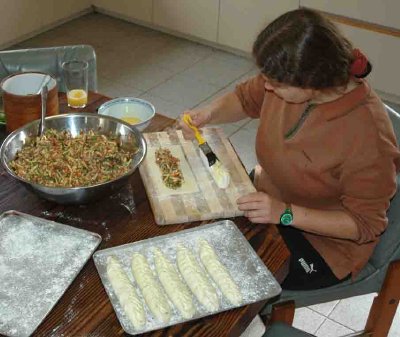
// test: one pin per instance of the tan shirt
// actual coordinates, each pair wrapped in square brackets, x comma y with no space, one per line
[344,156]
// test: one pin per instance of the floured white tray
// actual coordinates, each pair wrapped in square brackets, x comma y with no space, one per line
[39,259]
[255,281]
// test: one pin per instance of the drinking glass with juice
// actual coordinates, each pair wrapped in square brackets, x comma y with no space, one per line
[76,82]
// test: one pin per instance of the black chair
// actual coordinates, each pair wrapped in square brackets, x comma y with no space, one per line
[49,61]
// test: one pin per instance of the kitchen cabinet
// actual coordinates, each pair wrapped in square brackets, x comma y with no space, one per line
[240,21]
[235,24]
[373,27]
[383,51]
[136,9]
[383,12]
[190,17]
[24,18]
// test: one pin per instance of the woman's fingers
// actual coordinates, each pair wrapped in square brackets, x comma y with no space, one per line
[199,119]
[187,132]
[256,207]
[251,205]
[249,198]
[258,213]
[252,201]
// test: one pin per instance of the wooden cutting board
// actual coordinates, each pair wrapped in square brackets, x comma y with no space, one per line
[208,201]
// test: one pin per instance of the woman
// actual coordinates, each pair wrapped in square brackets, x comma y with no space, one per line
[326,149]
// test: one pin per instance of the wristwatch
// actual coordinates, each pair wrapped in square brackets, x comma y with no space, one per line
[286,218]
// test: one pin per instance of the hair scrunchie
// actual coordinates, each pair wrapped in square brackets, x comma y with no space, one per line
[359,67]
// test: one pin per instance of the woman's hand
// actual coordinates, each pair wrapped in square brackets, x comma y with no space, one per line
[259,207]
[224,109]
[199,119]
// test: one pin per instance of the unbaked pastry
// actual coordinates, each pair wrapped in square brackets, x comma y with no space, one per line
[189,184]
[150,288]
[196,278]
[219,273]
[126,293]
[175,288]
[218,171]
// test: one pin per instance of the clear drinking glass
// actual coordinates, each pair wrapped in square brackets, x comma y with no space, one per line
[76,81]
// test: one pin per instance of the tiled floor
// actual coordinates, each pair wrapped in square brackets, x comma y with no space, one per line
[175,74]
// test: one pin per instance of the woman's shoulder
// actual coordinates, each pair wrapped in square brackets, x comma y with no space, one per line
[371,113]
[371,126]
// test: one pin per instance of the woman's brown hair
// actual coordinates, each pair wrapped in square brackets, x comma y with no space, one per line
[304,49]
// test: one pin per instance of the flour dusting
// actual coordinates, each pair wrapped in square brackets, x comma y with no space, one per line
[38,261]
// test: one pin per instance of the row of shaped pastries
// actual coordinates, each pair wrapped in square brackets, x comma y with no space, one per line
[169,283]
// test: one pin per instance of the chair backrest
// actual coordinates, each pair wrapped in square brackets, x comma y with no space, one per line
[48,60]
[388,248]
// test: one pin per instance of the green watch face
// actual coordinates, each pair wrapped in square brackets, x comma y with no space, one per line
[286,217]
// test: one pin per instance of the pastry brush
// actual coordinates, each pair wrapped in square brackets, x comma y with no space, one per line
[204,147]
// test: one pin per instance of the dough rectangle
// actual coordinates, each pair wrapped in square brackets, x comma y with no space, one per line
[189,184]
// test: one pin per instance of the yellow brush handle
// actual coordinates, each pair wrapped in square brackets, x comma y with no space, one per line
[188,121]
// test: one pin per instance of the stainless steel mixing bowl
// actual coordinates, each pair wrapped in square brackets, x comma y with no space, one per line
[75,123]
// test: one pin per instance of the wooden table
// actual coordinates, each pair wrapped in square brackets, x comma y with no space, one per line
[85,310]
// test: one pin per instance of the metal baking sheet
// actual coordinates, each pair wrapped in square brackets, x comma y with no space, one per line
[249,272]
[39,259]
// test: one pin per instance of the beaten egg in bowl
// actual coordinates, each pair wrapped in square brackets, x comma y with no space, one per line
[134,111]
[131,120]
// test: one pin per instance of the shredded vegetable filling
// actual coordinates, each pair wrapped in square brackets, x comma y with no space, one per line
[59,160]
[169,165]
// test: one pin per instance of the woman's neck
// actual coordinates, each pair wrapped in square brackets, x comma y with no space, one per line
[325,96]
